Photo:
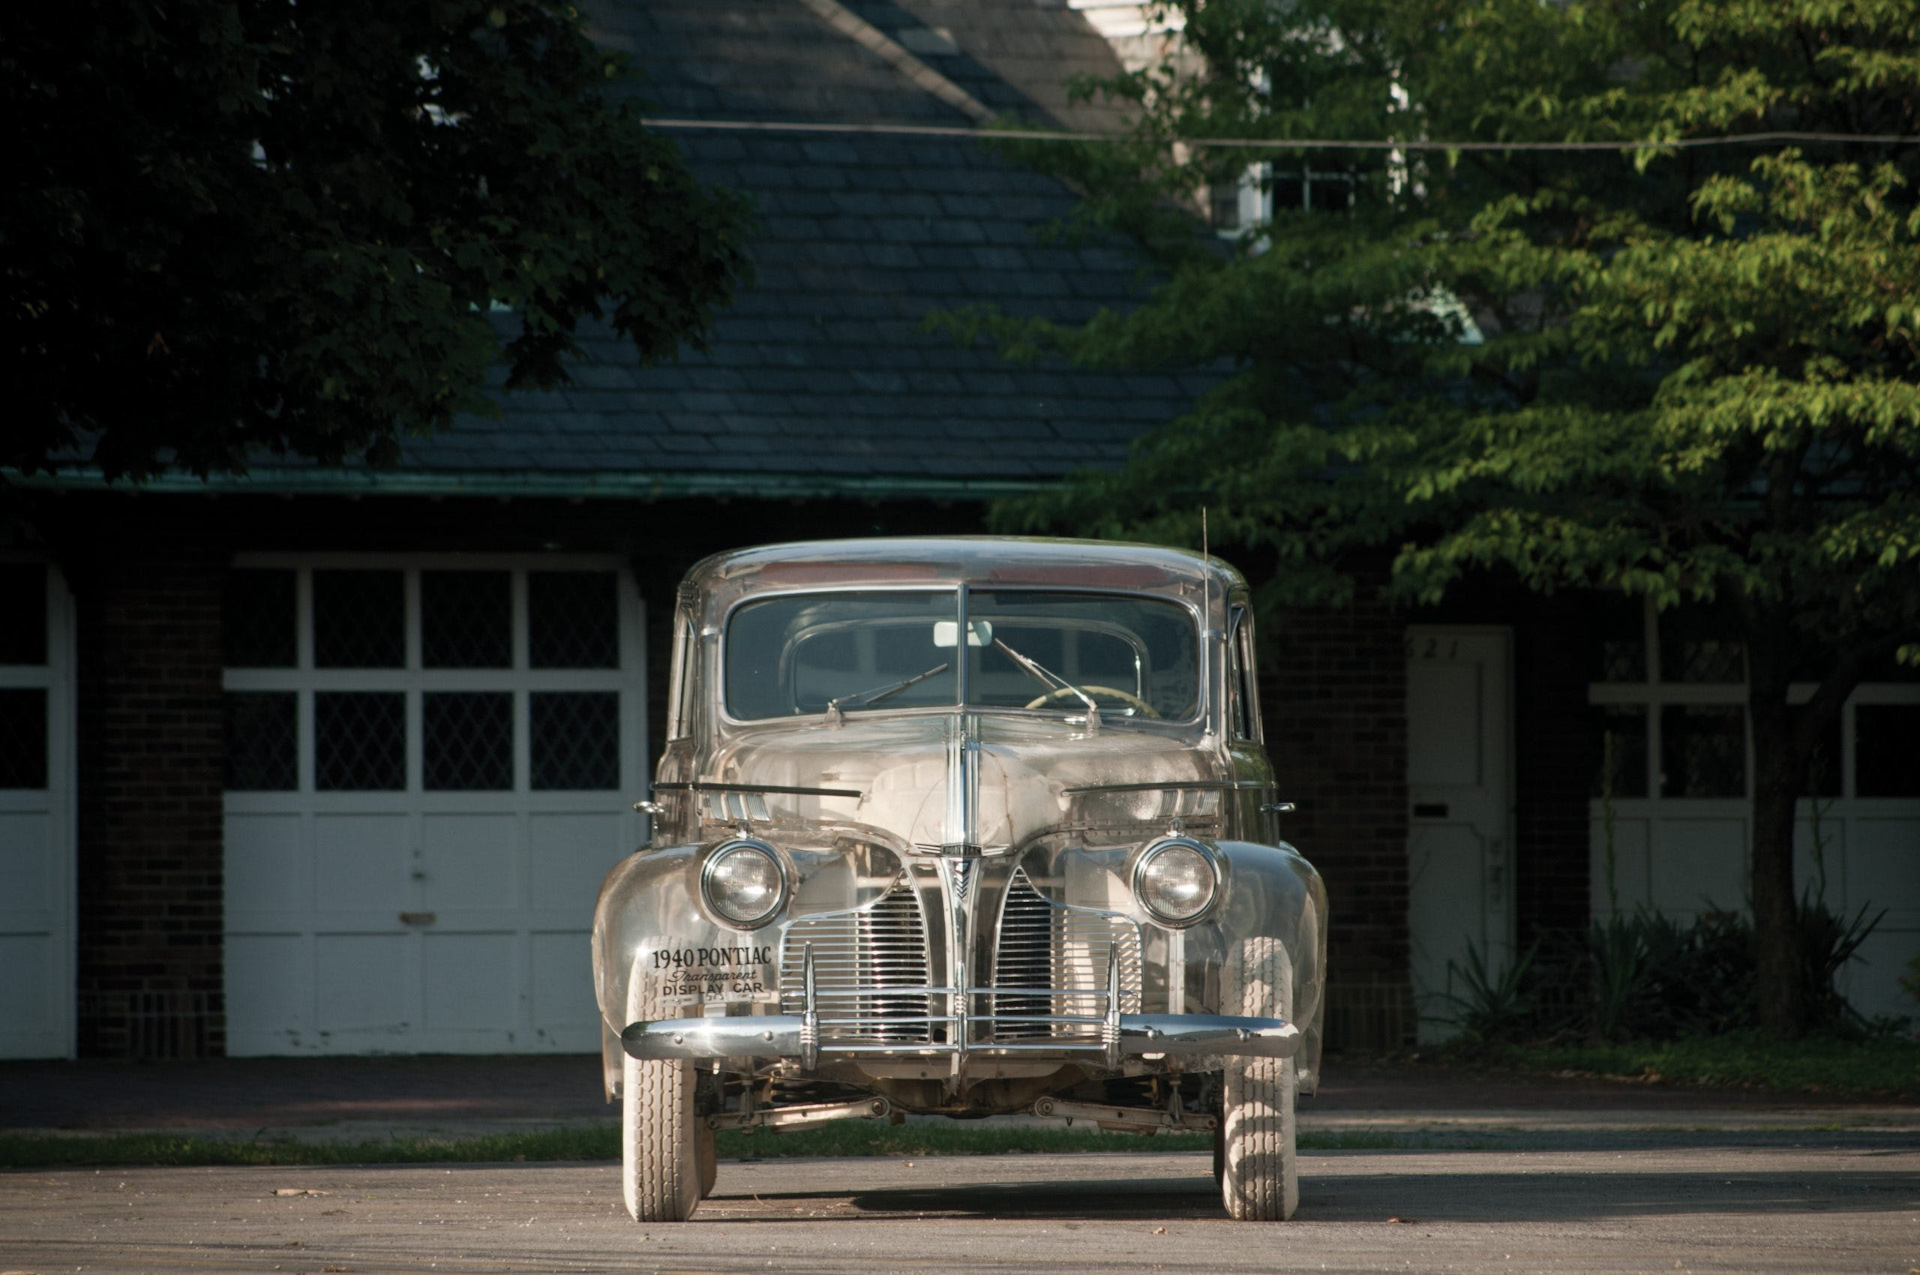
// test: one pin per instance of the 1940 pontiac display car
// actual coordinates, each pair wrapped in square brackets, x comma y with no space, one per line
[963,827]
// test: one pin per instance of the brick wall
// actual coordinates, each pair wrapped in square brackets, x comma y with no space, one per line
[1335,702]
[151,757]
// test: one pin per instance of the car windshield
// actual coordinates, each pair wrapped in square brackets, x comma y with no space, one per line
[1047,650]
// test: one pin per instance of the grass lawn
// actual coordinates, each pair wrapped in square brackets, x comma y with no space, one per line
[1886,1069]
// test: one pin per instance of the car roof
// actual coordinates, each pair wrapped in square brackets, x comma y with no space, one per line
[999,560]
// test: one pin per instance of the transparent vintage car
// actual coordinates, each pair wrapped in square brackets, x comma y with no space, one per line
[961,827]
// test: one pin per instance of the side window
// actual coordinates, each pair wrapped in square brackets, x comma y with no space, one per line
[680,689]
[1243,705]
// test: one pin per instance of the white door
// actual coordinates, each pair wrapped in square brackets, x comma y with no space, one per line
[36,813]
[431,765]
[1459,845]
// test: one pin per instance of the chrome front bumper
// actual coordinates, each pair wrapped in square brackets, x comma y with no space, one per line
[1127,1036]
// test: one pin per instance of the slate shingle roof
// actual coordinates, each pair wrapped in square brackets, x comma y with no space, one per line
[822,370]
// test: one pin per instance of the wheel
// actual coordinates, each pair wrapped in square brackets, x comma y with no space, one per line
[1259,1181]
[1111,692]
[709,1157]
[661,1174]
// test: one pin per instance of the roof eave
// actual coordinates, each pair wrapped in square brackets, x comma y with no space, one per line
[618,485]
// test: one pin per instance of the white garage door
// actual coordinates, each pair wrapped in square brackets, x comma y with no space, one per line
[431,764]
[36,813]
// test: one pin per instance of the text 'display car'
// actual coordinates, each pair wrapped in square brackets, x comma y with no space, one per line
[961,827]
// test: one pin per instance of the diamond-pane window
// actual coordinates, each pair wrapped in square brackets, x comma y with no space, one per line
[358,619]
[1618,651]
[257,619]
[23,737]
[263,743]
[359,740]
[572,620]
[1883,750]
[1703,751]
[466,619]
[1620,756]
[23,614]
[575,739]
[467,740]
[1699,645]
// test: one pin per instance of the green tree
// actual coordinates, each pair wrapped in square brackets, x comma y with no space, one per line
[1688,372]
[235,226]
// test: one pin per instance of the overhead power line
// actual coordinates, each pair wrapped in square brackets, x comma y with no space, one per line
[1287,143]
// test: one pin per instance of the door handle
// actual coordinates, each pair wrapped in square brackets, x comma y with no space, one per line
[1278,808]
[417,918]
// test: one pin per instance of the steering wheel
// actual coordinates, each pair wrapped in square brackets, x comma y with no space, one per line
[1111,692]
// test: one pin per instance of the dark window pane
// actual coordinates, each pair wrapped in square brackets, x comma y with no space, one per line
[358,619]
[23,613]
[1823,768]
[572,621]
[359,740]
[466,619]
[1886,762]
[1330,194]
[467,740]
[1697,645]
[1289,193]
[23,737]
[257,620]
[263,743]
[1226,205]
[1703,751]
[575,739]
[1618,652]
[1620,752]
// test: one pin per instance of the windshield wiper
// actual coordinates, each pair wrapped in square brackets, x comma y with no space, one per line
[1053,682]
[874,696]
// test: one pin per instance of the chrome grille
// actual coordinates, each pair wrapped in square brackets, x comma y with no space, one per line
[870,972]
[1050,968]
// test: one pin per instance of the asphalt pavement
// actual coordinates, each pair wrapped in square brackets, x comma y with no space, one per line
[352,1099]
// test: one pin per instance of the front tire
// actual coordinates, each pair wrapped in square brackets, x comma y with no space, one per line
[661,1174]
[1255,1156]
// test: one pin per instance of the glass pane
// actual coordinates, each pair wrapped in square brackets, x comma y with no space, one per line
[1618,652]
[466,619]
[257,619]
[1620,751]
[358,619]
[572,620]
[1703,751]
[1699,646]
[359,740]
[23,613]
[1823,768]
[263,742]
[796,654]
[576,739]
[23,737]
[467,739]
[1884,756]
[1329,194]
[1137,656]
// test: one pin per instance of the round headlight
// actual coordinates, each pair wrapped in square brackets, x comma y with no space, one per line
[743,883]
[1176,881]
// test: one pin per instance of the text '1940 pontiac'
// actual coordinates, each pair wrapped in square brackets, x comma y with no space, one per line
[961,827]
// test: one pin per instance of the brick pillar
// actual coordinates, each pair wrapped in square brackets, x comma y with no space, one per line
[151,760]
[1336,726]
